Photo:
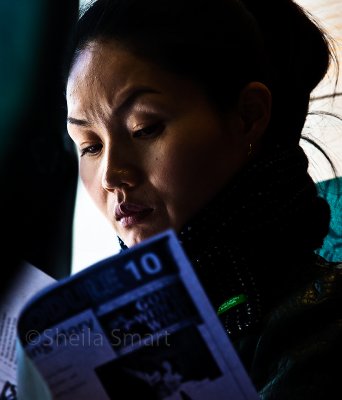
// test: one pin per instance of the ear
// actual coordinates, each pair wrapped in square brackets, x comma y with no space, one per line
[254,108]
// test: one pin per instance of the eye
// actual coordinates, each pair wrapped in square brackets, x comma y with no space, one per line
[91,150]
[149,131]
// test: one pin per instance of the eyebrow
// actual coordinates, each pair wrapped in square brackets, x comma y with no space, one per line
[80,122]
[131,97]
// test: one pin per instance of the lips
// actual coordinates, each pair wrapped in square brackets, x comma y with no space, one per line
[129,214]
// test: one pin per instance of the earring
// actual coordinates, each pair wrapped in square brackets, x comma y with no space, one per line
[250,149]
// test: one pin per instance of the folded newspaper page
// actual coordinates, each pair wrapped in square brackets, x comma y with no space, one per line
[134,324]
[28,281]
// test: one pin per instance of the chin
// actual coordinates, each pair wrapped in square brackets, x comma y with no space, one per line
[132,238]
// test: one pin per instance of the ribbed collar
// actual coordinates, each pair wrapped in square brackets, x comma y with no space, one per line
[256,237]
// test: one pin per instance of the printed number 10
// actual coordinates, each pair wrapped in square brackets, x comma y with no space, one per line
[150,264]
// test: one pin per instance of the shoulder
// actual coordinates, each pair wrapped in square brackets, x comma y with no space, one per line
[300,346]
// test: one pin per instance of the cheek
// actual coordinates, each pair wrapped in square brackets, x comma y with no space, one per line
[92,182]
[187,163]
[178,176]
[168,169]
[190,173]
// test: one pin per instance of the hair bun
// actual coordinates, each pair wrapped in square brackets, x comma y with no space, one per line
[298,48]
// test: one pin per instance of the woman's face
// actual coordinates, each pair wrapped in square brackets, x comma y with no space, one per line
[153,149]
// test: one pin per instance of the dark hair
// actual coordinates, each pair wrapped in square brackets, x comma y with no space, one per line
[223,45]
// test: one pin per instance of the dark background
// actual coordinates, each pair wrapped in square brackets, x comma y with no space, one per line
[38,161]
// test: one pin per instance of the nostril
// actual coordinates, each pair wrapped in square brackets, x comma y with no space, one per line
[117,177]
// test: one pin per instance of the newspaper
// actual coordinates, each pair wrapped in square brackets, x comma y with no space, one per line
[134,324]
[28,281]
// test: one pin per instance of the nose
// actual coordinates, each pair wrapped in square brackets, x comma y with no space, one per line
[119,171]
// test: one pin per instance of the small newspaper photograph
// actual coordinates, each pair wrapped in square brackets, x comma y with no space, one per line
[134,325]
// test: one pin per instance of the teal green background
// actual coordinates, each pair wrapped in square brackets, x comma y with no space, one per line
[331,190]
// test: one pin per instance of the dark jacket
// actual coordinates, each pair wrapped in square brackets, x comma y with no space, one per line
[297,352]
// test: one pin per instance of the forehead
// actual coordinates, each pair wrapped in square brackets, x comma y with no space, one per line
[104,72]
[103,64]
[101,74]
[104,75]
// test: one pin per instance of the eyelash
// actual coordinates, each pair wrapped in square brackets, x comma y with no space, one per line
[151,130]
[91,150]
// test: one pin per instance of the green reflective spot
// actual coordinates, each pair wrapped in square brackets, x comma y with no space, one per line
[234,301]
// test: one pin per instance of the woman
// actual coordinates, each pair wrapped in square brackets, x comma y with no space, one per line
[188,114]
